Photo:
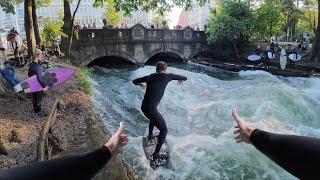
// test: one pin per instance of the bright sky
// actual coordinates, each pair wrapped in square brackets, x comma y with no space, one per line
[173,16]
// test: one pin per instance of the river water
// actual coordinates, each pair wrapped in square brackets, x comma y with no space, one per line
[198,117]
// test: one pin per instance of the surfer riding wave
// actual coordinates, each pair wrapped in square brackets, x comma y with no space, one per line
[156,85]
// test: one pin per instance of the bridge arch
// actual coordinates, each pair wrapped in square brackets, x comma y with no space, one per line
[96,56]
[164,53]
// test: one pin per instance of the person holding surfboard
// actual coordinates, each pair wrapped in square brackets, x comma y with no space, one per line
[36,69]
[156,84]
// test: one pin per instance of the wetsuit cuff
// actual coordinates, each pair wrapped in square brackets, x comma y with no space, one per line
[254,136]
[105,152]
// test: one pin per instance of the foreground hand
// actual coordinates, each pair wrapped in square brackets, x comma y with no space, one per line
[119,139]
[180,82]
[243,129]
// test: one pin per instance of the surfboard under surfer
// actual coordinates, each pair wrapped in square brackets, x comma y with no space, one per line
[156,84]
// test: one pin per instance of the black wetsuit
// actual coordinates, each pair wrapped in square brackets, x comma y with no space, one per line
[299,155]
[36,69]
[156,85]
[72,167]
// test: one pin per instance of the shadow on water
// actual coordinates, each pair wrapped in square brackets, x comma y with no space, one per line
[111,62]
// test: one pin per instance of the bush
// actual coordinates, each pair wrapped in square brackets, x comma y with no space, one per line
[83,75]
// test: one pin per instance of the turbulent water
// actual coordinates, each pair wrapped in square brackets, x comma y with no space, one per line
[198,117]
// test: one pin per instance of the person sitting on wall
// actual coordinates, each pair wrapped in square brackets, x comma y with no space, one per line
[8,72]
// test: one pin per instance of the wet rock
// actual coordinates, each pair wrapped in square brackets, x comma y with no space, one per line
[13,137]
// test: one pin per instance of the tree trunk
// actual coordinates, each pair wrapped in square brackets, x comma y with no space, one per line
[35,23]
[67,20]
[28,24]
[235,48]
[315,55]
[72,25]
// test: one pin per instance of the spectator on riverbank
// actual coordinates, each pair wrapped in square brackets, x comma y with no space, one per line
[36,69]
[9,74]
[299,155]
[84,166]
[293,51]
[258,50]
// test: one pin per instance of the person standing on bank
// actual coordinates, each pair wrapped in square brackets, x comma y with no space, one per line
[156,85]
[36,69]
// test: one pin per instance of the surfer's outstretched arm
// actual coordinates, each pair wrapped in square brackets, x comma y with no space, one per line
[140,80]
[299,155]
[73,167]
[177,77]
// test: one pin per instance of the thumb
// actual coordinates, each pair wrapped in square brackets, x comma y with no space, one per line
[121,129]
[235,115]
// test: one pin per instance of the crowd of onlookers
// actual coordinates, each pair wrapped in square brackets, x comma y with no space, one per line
[299,47]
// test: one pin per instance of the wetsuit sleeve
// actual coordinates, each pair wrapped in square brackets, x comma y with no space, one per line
[178,77]
[299,155]
[73,167]
[38,71]
[140,80]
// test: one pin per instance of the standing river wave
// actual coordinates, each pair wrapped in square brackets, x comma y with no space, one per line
[199,121]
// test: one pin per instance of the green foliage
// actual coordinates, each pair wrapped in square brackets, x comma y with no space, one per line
[52,31]
[160,6]
[83,75]
[112,16]
[268,20]
[8,5]
[231,23]
[43,3]
[158,20]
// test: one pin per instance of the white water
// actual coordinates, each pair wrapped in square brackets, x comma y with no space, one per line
[198,117]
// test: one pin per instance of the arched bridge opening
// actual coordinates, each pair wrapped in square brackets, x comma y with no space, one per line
[168,57]
[111,62]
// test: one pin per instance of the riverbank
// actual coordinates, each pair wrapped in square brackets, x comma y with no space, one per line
[78,128]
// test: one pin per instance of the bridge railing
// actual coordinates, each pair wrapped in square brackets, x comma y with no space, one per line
[137,34]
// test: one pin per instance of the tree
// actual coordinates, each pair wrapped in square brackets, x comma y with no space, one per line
[35,23]
[158,20]
[7,6]
[160,6]
[68,26]
[267,21]
[315,55]
[31,41]
[231,23]
[67,19]
[52,31]
[112,16]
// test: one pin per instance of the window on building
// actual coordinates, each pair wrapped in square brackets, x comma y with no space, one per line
[21,27]
[8,17]
[20,14]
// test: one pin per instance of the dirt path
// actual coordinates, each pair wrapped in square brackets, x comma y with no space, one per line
[77,126]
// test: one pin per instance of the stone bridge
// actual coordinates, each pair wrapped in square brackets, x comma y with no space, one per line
[137,44]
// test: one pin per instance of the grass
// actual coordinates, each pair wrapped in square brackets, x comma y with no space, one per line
[83,75]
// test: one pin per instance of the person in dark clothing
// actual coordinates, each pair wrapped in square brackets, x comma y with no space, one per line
[9,74]
[71,167]
[258,50]
[299,155]
[294,51]
[36,69]
[156,85]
